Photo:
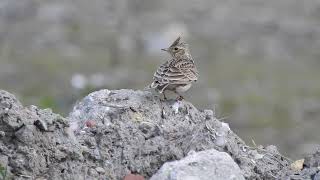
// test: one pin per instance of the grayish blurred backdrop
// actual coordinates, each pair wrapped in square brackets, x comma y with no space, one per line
[258,59]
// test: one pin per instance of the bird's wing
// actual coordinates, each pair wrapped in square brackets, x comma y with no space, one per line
[160,73]
[176,72]
[188,68]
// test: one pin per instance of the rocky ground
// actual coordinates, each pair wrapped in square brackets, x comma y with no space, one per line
[127,134]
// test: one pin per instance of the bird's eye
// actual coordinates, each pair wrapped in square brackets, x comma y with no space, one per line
[175,48]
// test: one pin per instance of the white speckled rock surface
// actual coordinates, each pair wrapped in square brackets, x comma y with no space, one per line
[204,165]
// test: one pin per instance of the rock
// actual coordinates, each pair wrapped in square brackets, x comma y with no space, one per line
[31,152]
[136,132]
[133,177]
[204,165]
[2,134]
[317,176]
[313,160]
[41,125]
[9,112]
[209,114]
[133,132]
[297,165]
[100,170]
[309,170]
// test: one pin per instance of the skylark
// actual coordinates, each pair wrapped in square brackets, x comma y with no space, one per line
[176,74]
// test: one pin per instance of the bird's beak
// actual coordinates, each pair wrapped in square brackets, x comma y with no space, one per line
[165,49]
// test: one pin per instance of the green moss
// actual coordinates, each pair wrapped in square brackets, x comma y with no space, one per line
[48,102]
[3,172]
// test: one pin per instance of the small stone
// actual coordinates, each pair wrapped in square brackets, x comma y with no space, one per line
[93,172]
[96,154]
[133,177]
[258,156]
[41,125]
[176,106]
[272,149]
[137,117]
[85,149]
[33,108]
[297,165]
[2,134]
[244,148]
[209,113]
[90,123]
[100,170]
[220,141]
[91,142]
[225,126]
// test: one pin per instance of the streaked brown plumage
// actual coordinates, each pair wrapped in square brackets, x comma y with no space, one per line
[178,73]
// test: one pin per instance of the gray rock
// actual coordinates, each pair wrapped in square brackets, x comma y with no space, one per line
[317,176]
[32,152]
[122,132]
[2,134]
[310,168]
[204,165]
[41,125]
[100,170]
[136,132]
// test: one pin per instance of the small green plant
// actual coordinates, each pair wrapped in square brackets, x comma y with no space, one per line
[3,172]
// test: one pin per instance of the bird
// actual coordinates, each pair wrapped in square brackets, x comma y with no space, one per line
[178,73]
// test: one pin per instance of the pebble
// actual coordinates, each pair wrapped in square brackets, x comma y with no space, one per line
[2,134]
[133,177]
[100,170]
[209,114]
[41,125]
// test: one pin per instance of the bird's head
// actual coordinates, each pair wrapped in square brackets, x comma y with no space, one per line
[178,49]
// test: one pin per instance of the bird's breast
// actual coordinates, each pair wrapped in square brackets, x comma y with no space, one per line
[183,88]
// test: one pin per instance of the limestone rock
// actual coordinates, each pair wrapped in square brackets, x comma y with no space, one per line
[204,165]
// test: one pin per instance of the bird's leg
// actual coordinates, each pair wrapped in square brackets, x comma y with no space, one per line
[164,95]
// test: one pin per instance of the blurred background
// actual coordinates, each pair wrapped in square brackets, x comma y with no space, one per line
[259,60]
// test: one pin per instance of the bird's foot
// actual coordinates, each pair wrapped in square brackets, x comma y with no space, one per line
[180,98]
[163,99]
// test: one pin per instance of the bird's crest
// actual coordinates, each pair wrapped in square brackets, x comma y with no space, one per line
[176,42]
